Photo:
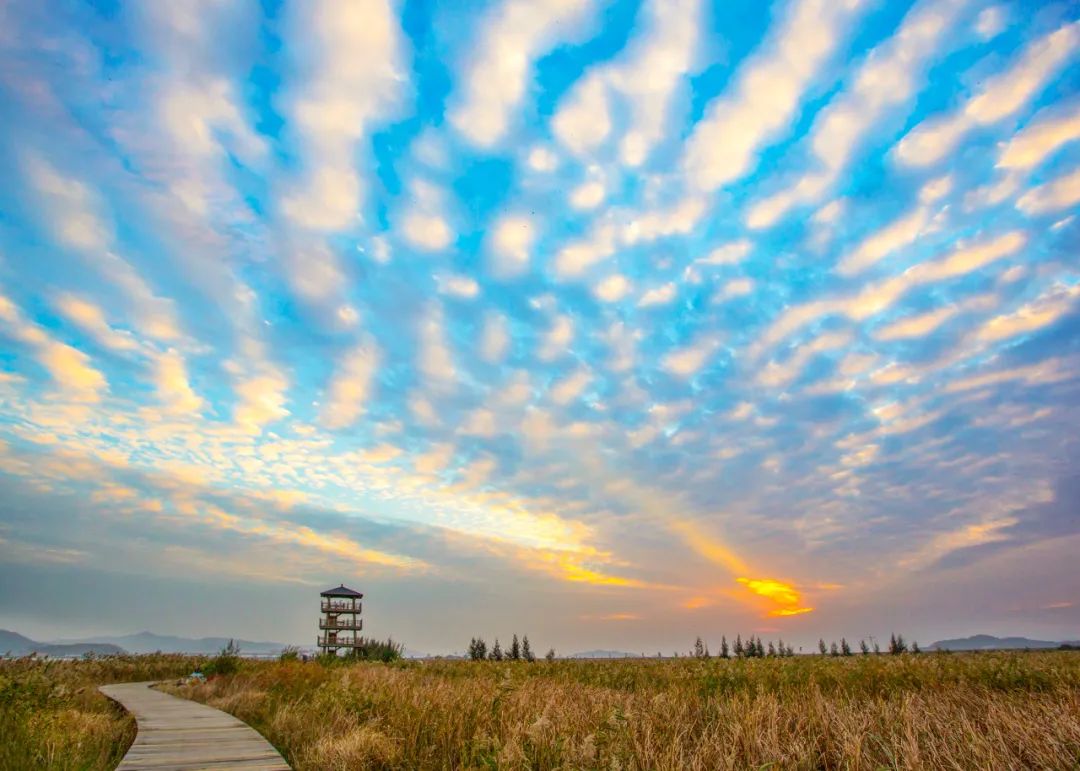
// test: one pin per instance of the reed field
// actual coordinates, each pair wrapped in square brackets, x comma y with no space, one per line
[52,716]
[930,711]
[927,711]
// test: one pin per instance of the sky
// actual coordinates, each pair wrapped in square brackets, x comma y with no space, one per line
[609,323]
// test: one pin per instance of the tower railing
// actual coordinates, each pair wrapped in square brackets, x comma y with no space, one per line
[356,624]
[329,606]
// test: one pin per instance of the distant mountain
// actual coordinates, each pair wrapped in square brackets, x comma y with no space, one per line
[982,642]
[602,654]
[148,642]
[16,644]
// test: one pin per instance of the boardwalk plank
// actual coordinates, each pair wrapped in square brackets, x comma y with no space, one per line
[180,735]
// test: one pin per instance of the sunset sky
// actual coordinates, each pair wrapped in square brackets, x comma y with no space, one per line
[613,323]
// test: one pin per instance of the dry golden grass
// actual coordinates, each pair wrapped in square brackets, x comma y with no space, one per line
[53,717]
[933,711]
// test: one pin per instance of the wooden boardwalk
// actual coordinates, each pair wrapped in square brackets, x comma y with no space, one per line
[180,735]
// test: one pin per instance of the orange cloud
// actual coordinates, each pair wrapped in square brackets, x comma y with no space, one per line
[784,595]
[709,547]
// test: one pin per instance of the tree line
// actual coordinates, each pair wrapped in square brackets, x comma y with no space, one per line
[518,651]
[754,648]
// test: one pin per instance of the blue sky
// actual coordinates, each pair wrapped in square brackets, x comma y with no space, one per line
[615,323]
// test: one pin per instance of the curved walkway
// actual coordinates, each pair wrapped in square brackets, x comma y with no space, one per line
[181,735]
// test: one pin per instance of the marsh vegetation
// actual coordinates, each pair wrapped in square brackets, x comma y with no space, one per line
[934,710]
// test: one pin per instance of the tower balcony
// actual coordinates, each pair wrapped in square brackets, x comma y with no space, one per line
[329,606]
[351,624]
[339,642]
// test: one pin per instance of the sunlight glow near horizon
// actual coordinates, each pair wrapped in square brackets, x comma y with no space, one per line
[677,297]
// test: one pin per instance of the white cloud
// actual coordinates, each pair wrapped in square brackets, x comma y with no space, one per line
[511,245]
[380,250]
[337,93]
[173,388]
[678,219]
[887,78]
[781,374]
[899,233]
[495,338]
[685,362]
[260,399]
[876,297]
[612,288]
[731,253]
[584,120]
[1001,96]
[496,75]
[653,70]
[1055,195]
[622,340]
[70,368]
[646,77]
[463,287]
[660,295]
[435,361]
[1045,133]
[991,22]
[577,257]
[426,231]
[571,387]
[587,195]
[542,159]
[91,319]
[480,422]
[556,341]
[768,88]
[915,326]
[314,271]
[830,212]
[736,287]
[73,210]
[1043,311]
[437,458]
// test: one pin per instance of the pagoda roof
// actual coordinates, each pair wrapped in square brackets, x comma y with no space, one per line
[341,591]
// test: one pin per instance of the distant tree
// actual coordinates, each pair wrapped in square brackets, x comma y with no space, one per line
[526,650]
[915,647]
[780,649]
[496,651]
[791,650]
[772,650]
[699,648]
[877,648]
[550,655]
[740,651]
[864,647]
[707,655]
[833,650]
[844,647]
[289,653]
[821,646]
[477,649]
[725,652]
[515,649]
[897,644]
